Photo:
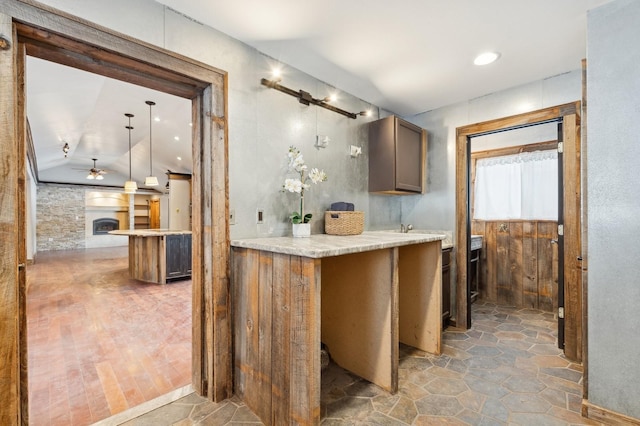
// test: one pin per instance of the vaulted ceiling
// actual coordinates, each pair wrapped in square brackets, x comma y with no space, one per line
[407,57]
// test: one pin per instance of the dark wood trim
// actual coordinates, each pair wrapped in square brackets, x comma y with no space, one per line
[572,204]
[511,150]
[520,120]
[54,35]
[606,416]
[23,139]
[179,176]
[570,114]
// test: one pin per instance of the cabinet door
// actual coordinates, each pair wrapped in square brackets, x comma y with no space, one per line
[174,256]
[186,254]
[409,156]
[397,154]
[446,287]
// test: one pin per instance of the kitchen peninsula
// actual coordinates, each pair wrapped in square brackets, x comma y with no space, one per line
[359,295]
[158,255]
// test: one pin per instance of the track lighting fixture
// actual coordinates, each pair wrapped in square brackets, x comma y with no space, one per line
[305,98]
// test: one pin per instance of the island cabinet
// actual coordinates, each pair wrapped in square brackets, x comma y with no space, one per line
[397,157]
[358,295]
[158,255]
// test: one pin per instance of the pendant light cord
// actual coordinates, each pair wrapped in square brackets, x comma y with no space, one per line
[129,128]
[150,103]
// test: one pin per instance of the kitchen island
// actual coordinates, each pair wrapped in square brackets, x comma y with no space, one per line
[360,295]
[158,255]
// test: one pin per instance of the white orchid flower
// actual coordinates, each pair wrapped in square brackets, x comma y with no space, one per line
[317,176]
[293,185]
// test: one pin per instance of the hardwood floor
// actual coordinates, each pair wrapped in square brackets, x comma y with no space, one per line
[98,342]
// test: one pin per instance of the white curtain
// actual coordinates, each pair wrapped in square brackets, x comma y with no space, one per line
[521,186]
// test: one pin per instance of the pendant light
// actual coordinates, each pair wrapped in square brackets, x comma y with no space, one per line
[150,180]
[130,186]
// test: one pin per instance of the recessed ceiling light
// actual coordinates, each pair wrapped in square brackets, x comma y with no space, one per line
[176,138]
[179,158]
[156,119]
[486,58]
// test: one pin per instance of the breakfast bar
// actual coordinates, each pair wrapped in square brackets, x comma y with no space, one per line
[359,295]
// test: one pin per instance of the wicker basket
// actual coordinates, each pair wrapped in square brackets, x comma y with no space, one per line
[343,223]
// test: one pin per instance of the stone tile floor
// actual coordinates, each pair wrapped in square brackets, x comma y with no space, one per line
[505,370]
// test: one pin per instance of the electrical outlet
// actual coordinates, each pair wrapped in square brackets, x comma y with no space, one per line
[260,216]
[232,217]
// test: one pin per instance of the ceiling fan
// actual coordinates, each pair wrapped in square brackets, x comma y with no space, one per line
[95,172]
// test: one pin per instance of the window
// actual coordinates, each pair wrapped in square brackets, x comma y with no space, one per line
[522,186]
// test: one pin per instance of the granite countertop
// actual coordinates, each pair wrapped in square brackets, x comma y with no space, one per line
[148,232]
[447,242]
[323,245]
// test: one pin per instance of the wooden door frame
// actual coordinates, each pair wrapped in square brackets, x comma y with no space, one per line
[30,28]
[569,114]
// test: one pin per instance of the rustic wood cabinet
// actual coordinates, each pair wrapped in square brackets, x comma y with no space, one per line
[178,256]
[397,156]
[446,286]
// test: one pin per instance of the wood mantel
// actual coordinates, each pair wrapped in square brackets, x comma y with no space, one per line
[359,295]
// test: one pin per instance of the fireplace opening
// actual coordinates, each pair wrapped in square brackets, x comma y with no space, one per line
[103,225]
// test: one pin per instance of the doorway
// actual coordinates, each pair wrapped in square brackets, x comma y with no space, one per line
[99,343]
[515,206]
[47,34]
[568,116]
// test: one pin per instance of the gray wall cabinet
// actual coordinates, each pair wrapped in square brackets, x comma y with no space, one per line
[397,153]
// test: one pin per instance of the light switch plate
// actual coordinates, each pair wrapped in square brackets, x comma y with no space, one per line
[232,217]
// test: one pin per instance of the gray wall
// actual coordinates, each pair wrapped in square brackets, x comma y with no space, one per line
[613,85]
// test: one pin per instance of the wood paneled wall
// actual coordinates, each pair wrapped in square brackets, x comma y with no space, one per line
[519,263]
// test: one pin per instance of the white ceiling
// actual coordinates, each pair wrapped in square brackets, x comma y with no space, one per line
[66,105]
[407,57]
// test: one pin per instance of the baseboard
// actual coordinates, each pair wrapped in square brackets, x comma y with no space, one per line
[605,416]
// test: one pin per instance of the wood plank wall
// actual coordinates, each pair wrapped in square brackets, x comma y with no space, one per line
[519,263]
[276,303]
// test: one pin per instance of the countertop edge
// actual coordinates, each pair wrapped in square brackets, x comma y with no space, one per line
[323,245]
